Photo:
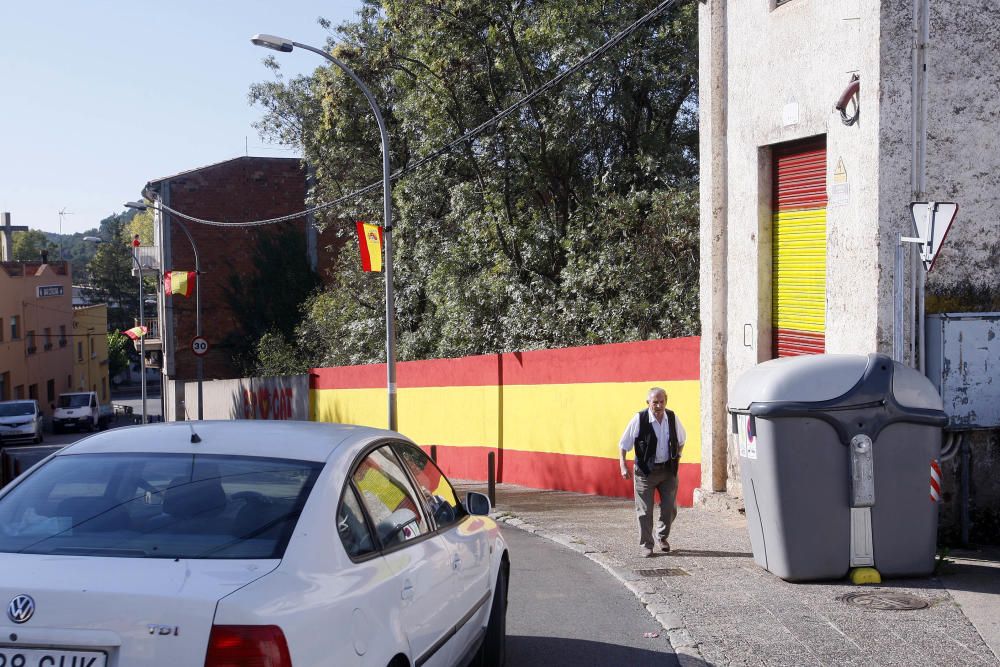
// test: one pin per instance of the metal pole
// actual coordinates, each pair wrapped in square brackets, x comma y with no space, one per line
[199,362]
[491,477]
[897,304]
[142,338]
[390,309]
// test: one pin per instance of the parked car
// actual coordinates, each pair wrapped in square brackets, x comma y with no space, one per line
[81,410]
[248,543]
[20,421]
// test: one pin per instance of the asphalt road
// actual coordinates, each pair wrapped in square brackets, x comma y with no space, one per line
[565,610]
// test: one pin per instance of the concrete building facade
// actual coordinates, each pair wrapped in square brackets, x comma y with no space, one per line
[36,331]
[919,82]
[90,351]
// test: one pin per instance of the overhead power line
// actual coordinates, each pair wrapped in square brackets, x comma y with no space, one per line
[541,90]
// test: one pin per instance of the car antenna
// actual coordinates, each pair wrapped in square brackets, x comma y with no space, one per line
[194,436]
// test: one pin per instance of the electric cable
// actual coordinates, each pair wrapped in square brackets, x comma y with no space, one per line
[544,88]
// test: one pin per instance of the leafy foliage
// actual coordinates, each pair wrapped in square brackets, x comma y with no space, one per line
[118,352]
[111,276]
[28,246]
[267,303]
[573,221]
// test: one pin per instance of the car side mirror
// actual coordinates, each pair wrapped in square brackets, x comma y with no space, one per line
[478,504]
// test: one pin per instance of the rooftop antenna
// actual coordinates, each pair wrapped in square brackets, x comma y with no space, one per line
[195,438]
[62,213]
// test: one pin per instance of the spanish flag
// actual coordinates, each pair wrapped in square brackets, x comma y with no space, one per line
[370,241]
[179,282]
[135,333]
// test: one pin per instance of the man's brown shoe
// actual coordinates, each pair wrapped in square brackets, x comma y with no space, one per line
[664,545]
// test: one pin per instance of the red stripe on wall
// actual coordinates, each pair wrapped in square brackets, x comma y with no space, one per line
[790,343]
[583,474]
[666,360]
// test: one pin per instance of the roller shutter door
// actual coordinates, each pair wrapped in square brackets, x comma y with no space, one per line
[799,248]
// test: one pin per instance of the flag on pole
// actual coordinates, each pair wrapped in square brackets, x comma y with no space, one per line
[179,282]
[135,333]
[370,241]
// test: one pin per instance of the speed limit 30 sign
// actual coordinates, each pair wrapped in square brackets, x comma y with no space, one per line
[199,346]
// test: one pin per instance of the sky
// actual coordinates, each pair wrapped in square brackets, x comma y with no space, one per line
[98,97]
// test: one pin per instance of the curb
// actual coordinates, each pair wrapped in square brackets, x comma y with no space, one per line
[686,649]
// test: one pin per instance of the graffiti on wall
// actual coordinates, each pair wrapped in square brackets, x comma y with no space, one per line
[269,403]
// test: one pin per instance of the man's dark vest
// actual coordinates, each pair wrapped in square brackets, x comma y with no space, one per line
[645,442]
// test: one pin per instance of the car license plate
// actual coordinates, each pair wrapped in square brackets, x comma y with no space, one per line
[43,657]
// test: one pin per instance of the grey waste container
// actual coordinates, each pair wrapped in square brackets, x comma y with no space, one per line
[836,454]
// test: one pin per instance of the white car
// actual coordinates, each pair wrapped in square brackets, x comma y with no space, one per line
[248,543]
[20,420]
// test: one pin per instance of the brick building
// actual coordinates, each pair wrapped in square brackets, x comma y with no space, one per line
[232,260]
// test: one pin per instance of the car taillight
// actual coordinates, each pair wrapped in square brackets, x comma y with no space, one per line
[247,646]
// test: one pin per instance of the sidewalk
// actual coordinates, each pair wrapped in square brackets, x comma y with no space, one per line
[719,607]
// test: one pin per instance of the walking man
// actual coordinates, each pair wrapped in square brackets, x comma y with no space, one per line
[658,438]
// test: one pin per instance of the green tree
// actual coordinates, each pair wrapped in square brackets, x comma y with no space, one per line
[267,303]
[572,221]
[118,352]
[111,276]
[28,246]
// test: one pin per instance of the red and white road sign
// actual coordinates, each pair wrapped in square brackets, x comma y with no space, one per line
[199,346]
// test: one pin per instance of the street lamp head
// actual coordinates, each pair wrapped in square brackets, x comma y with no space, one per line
[272,42]
[93,239]
[137,205]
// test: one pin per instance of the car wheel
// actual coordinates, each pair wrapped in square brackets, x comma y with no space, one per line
[493,652]
[38,437]
[57,428]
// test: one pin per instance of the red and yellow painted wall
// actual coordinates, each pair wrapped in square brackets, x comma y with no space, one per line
[553,417]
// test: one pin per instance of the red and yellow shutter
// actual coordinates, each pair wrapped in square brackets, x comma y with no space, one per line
[799,248]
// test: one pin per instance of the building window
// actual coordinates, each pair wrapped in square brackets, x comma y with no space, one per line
[69,382]
[62,335]
[50,391]
[19,392]
[33,392]
[15,333]
[1,329]
[30,342]
[79,350]
[93,354]
[5,386]
[48,339]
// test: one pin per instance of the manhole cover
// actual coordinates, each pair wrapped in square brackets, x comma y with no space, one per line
[663,572]
[886,601]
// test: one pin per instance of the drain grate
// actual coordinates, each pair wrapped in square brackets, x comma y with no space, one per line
[663,572]
[885,601]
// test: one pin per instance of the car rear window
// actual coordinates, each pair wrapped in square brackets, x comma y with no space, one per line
[157,506]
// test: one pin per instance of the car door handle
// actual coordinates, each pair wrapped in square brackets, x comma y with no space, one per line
[407,592]
[456,562]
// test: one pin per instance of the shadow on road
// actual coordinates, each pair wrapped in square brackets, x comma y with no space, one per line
[559,652]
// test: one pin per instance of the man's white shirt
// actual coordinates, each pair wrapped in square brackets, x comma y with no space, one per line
[662,431]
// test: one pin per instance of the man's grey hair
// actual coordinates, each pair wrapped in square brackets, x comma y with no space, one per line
[656,390]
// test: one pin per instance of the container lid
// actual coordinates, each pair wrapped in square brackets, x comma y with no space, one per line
[805,379]
[913,390]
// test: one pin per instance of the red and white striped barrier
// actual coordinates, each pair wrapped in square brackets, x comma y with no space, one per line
[935,481]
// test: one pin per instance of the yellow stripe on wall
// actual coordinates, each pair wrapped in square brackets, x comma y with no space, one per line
[584,419]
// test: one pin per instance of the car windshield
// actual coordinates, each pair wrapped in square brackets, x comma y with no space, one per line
[74,400]
[157,506]
[18,409]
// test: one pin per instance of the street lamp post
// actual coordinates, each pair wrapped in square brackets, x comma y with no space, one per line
[285,46]
[199,362]
[142,325]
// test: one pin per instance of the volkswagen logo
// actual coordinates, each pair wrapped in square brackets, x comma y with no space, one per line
[21,608]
